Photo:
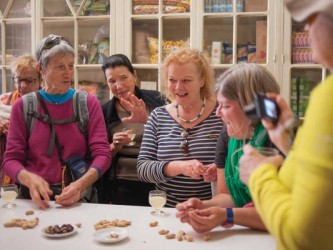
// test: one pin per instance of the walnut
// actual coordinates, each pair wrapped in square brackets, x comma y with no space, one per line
[56,229]
[170,236]
[29,212]
[163,232]
[78,225]
[153,224]
[114,235]
[180,235]
[188,238]
[110,224]
[207,237]
[24,224]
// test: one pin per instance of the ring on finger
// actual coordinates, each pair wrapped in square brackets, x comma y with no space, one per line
[116,143]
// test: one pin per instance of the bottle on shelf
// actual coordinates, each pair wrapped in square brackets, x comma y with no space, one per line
[208,6]
[216,6]
[240,5]
[223,6]
[229,6]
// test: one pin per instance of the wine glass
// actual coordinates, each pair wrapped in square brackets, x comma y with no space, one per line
[157,199]
[265,151]
[131,134]
[9,193]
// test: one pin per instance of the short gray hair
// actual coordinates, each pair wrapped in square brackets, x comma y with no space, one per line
[58,46]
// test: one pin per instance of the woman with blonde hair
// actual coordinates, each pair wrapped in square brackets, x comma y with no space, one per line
[27,79]
[177,150]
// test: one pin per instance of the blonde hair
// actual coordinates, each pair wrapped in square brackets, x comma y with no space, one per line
[190,55]
[25,62]
[243,81]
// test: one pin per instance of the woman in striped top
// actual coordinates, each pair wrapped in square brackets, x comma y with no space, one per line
[177,150]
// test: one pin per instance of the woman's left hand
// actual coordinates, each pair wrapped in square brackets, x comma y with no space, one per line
[251,160]
[205,220]
[69,195]
[210,174]
[137,107]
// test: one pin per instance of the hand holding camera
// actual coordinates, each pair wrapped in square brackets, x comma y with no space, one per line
[276,116]
[263,108]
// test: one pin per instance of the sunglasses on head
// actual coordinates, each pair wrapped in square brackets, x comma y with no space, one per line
[52,41]
[184,144]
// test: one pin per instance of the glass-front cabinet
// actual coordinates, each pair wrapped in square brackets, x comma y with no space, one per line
[229,32]
[86,24]
[300,71]
[157,28]
[16,28]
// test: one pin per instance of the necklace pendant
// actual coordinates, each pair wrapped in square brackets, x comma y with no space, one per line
[195,118]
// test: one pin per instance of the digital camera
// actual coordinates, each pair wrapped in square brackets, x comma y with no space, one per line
[263,107]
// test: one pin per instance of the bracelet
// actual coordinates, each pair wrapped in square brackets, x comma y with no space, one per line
[230,218]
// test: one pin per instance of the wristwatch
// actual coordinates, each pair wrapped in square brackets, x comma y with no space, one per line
[230,219]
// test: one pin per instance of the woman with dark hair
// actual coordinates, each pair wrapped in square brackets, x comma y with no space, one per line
[128,109]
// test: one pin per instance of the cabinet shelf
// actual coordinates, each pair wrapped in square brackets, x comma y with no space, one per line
[235,32]
[146,66]
[305,66]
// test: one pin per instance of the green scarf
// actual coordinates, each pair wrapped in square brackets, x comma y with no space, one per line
[239,191]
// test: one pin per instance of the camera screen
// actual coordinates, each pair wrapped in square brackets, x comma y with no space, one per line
[270,108]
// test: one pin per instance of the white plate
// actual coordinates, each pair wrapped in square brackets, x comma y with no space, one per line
[104,235]
[59,235]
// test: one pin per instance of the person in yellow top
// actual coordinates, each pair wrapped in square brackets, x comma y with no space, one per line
[295,203]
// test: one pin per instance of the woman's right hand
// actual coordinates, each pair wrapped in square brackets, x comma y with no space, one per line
[192,168]
[4,126]
[38,187]
[120,139]
[185,207]
[278,133]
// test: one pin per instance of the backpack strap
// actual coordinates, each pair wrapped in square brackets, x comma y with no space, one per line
[29,109]
[81,113]
[80,109]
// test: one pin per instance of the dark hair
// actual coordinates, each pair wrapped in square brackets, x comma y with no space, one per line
[118,60]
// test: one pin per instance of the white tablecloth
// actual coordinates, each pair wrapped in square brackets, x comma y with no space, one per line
[140,235]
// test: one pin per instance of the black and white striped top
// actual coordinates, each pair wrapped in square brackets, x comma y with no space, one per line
[160,145]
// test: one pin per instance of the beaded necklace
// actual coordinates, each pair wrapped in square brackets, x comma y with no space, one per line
[195,118]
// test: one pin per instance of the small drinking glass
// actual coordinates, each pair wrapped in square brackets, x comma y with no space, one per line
[9,193]
[131,134]
[265,151]
[157,199]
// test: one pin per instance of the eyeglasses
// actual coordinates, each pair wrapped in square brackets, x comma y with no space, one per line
[52,41]
[184,144]
[27,81]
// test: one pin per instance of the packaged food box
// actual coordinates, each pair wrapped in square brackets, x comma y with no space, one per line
[261,41]
[255,5]
[216,52]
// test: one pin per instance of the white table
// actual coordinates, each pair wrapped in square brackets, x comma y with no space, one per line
[141,236]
